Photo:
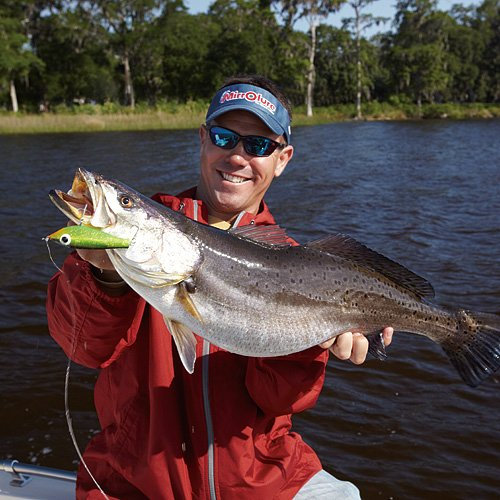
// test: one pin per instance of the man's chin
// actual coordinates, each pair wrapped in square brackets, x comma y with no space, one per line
[229,204]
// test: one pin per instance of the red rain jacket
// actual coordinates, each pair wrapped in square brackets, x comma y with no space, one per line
[222,432]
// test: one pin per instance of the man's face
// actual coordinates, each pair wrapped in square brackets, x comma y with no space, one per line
[233,180]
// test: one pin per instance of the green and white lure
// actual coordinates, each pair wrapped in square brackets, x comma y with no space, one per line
[87,237]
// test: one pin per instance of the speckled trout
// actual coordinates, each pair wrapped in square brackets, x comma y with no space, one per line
[250,292]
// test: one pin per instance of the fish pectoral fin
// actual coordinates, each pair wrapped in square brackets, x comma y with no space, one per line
[185,300]
[185,342]
[376,346]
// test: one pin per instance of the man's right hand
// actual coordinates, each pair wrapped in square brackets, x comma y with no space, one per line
[103,270]
[98,258]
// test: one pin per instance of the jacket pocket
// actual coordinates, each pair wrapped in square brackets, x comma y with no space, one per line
[131,433]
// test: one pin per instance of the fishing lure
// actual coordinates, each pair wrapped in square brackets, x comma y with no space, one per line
[87,237]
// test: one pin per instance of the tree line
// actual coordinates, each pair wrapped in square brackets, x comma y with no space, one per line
[65,52]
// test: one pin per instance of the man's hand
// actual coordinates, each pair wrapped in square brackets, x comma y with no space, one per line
[103,270]
[98,258]
[354,346]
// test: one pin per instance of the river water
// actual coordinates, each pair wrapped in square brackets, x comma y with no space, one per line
[427,194]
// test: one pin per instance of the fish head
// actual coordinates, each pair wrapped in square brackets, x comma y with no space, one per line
[104,204]
[158,254]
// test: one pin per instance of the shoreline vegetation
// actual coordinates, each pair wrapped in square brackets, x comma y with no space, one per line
[96,118]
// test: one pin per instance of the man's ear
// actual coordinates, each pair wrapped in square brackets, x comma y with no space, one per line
[284,157]
[203,133]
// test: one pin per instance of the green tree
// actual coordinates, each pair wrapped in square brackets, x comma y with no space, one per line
[360,22]
[244,39]
[488,24]
[78,65]
[182,42]
[16,58]
[466,48]
[129,23]
[335,66]
[312,11]
[417,52]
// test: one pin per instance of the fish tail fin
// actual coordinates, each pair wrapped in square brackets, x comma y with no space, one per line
[475,348]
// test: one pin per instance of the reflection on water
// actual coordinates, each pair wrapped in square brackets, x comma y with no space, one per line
[424,193]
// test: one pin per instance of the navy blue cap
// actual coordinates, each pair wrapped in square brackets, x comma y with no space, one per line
[258,101]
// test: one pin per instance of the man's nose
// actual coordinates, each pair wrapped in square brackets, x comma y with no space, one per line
[238,156]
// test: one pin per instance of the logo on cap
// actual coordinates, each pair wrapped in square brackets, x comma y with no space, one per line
[250,96]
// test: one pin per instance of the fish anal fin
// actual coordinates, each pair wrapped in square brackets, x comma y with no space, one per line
[376,346]
[350,249]
[185,342]
[272,235]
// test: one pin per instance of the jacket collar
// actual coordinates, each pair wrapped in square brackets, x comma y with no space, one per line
[187,203]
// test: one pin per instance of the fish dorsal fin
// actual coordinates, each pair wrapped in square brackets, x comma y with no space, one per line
[350,249]
[185,342]
[272,235]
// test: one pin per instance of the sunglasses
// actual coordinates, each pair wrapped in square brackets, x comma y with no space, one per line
[255,145]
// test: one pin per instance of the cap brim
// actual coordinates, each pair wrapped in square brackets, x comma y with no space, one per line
[263,115]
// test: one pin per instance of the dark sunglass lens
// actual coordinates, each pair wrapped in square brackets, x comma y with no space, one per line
[223,138]
[259,146]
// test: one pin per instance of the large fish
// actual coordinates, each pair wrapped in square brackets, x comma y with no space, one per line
[249,292]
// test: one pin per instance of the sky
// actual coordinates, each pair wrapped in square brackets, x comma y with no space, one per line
[383,8]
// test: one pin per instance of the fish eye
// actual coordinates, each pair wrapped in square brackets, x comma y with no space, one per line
[126,201]
[65,239]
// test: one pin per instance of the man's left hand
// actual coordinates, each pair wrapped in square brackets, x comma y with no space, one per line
[353,346]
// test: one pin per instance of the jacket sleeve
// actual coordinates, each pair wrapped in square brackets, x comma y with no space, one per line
[287,384]
[92,327]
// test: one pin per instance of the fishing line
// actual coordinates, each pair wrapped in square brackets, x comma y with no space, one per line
[69,420]
[50,254]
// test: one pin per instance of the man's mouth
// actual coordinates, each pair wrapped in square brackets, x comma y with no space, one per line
[235,179]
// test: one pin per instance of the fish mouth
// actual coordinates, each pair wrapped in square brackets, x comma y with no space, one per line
[85,202]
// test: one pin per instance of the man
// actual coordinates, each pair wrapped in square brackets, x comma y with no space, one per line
[224,431]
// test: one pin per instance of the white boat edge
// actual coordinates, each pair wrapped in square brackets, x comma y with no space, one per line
[18,480]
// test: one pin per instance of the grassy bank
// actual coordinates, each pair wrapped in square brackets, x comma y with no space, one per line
[89,118]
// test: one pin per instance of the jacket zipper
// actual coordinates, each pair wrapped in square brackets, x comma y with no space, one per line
[205,387]
[208,421]
[206,401]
